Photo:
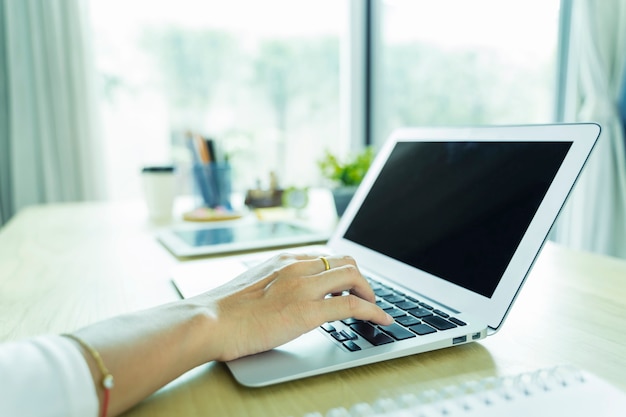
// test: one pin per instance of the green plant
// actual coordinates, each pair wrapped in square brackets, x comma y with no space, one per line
[349,172]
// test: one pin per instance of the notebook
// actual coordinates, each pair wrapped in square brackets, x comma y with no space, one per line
[446,225]
[559,391]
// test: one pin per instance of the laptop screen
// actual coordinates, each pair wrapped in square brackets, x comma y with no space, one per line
[457,210]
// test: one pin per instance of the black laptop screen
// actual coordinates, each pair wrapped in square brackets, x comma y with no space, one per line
[457,210]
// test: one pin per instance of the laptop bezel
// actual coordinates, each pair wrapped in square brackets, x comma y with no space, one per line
[492,310]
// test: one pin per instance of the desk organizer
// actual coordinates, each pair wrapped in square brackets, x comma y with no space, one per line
[213,184]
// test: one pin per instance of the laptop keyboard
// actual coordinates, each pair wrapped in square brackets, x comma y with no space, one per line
[413,318]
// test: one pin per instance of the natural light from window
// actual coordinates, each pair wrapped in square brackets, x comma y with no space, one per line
[260,78]
[263,78]
[456,62]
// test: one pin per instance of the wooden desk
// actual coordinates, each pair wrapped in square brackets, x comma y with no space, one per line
[64,266]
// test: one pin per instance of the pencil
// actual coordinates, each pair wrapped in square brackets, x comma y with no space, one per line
[202,149]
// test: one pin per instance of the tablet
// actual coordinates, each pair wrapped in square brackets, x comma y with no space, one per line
[236,236]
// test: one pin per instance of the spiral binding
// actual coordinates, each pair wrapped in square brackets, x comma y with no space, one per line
[469,396]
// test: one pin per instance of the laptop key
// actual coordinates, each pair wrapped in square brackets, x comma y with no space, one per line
[370,333]
[439,323]
[457,321]
[407,321]
[407,305]
[339,337]
[383,292]
[422,329]
[398,332]
[395,312]
[328,327]
[394,298]
[351,346]
[441,313]
[349,335]
[384,305]
[420,312]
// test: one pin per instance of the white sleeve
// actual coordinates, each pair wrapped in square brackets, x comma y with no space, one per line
[45,376]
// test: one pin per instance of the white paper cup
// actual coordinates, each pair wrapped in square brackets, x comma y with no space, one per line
[159,191]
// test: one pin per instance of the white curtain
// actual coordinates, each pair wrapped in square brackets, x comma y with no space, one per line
[594,218]
[50,148]
[5,183]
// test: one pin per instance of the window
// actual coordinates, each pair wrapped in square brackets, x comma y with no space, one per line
[456,62]
[267,80]
[260,78]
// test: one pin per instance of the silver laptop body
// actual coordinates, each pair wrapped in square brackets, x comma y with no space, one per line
[452,218]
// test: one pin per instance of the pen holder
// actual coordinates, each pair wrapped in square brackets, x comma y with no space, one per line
[213,184]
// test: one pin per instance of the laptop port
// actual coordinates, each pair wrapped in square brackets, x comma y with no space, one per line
[460,339]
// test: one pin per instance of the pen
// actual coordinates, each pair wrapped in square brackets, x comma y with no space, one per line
[210,149]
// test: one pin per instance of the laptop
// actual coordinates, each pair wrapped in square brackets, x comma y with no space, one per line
[446,226]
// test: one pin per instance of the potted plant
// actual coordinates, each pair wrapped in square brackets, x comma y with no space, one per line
[346,175]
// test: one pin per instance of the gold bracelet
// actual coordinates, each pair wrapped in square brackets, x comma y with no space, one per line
[107,380]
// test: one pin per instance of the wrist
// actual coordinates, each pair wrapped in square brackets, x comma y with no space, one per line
[202,331]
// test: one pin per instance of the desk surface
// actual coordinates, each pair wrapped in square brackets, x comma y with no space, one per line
[64,266]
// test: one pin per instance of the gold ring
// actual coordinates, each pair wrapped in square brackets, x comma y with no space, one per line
[326,264]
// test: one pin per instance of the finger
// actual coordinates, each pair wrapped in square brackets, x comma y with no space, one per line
[291,263]
[288,266]
[339,308]
[340,279]
[310,265]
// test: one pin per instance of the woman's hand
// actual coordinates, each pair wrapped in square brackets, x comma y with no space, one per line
[284,298]
[262,308]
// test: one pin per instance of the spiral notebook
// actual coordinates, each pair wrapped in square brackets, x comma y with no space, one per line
[558,391]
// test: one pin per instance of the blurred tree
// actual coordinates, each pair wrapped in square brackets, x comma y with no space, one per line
[192,64]
[296,74]
[425,85]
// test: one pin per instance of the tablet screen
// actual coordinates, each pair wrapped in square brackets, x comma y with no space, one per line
[210,239]
[250,232]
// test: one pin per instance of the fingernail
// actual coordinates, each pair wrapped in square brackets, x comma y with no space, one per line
[389,318]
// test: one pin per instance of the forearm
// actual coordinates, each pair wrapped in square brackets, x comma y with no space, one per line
[262,308]
[146,350]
